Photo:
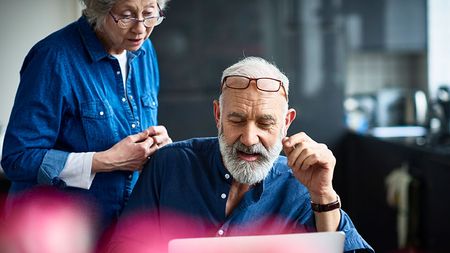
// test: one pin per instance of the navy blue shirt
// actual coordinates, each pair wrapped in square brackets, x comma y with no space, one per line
[188,178]
[71,98]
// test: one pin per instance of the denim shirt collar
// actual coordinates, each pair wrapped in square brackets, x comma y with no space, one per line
[93,44]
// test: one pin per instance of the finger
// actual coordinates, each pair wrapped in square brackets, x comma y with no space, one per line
[290,143]
[318,154]
[306,151]
[139,136]
[298,138]
[295,154]
[148,142]
[157,130]
[162,139]
[152,150]
[309,161]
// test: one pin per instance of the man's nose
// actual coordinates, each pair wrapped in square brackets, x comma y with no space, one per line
[250,136]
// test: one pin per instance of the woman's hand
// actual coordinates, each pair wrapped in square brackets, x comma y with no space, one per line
[132,152]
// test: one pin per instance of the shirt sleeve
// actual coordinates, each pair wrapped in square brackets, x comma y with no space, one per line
[30,151]
[77,171]
[353,240]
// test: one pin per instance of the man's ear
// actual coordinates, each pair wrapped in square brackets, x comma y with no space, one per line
[290,116]
[217,113]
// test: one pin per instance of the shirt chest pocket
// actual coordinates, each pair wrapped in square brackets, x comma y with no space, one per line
[149,111]
[148,102]
[99,125]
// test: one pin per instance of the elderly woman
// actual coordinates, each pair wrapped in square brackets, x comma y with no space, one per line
[85,114]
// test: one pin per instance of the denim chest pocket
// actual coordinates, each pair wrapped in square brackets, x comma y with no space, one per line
[149,111]
[149,102]
[99,126]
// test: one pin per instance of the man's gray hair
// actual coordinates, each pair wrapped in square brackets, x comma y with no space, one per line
[96,11]
[255,67]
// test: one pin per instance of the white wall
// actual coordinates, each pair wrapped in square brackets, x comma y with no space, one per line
[438,44]
[22,24]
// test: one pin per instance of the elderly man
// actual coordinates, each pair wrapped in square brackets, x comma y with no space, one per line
[238,184]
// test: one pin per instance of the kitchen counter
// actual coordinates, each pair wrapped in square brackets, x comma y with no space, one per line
[410,146]
[364,164]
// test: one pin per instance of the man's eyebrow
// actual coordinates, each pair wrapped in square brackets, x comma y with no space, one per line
[235,114]
[267,117]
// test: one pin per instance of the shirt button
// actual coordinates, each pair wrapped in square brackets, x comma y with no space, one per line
[131,97]
[130,176]
[101,113]
[223,195]
[133,125]
[153,103]
[220,232]
[118,72]
[124,100]
[227,176]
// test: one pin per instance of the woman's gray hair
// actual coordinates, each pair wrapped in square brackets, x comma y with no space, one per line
[97,10]
[255,67]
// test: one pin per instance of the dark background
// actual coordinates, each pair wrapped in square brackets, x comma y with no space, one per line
[199,39]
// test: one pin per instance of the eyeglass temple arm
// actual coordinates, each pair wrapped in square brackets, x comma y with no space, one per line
[161,12]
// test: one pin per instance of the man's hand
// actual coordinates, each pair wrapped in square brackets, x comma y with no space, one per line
[313,165]
[132,152]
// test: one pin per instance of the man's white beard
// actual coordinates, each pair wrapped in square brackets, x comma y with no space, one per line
[244,171]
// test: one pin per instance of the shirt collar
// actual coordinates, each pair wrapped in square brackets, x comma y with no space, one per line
[93,44]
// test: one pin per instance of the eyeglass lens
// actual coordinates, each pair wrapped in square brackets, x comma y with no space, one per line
[149,22]
[241,82]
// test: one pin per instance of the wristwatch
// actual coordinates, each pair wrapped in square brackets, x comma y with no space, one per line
[326,207]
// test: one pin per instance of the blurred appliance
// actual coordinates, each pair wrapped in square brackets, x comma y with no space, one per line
[440,117]
[443,101]
[401,107]
[360,112]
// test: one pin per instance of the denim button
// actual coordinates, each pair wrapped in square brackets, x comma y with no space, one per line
[223,195]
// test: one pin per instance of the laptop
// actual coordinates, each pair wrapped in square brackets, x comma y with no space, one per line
[319,242]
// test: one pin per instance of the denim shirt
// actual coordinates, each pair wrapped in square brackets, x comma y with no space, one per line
[71,98]
[188,180]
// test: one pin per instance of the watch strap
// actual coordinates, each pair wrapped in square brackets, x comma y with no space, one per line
[326,207]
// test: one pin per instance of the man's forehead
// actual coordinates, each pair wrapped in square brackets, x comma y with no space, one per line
[252,95]
[243,101]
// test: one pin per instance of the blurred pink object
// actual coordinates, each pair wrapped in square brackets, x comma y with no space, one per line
[45,220]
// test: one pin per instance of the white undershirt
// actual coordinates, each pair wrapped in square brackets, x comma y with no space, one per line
[77,171]
[123,62]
